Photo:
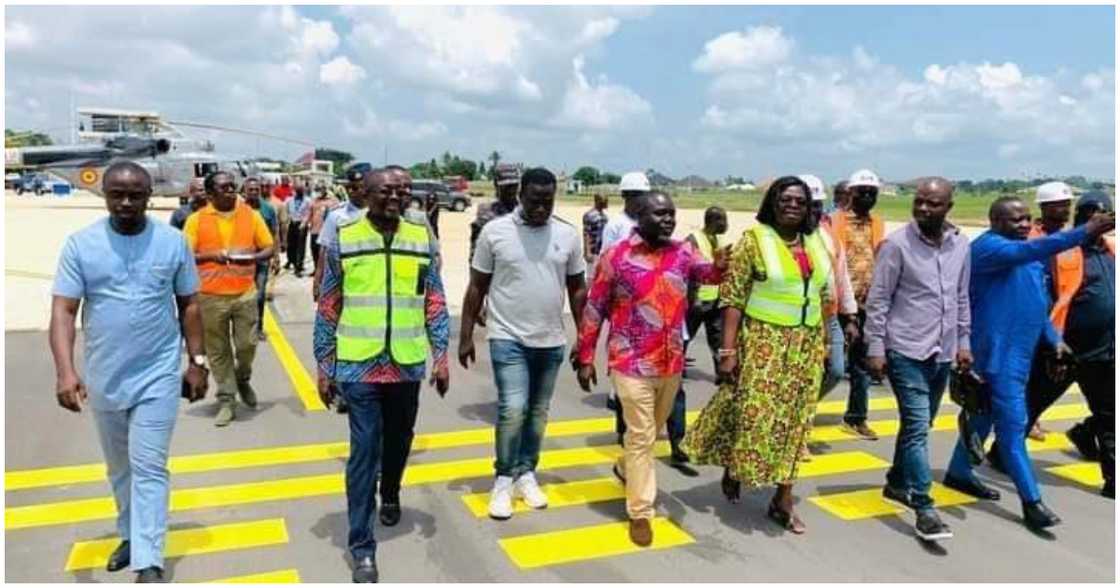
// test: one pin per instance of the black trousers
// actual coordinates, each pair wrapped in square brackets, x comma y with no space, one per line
[710,316]
[297,244]
[315,250]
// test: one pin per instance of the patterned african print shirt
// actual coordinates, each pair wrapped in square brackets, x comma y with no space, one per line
[380,369]
[643,292]
[861,255]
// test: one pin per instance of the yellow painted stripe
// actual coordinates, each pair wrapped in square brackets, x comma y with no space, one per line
[304,384]
[833,407]
[290,576]
[85,555]
[1085,473]
[840,463]
[18,273]
[947,422]
[95,472]
[559,495]
[584,543]
[863,504]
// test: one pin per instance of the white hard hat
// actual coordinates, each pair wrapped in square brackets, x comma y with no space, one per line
[864,177]
[816,187]
[634,182]
[1053,192]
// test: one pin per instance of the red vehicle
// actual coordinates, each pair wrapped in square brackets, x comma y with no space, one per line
[456,183]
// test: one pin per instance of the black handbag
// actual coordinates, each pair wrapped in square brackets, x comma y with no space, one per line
[969,391]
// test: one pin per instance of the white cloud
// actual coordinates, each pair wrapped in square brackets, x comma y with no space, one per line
[18,35]
[600,106]
[758,47]
[869,108]
[340,71]
[372,125]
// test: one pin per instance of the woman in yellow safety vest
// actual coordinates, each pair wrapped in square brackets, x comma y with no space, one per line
[772,355]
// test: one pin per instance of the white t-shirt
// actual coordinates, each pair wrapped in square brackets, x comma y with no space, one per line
[617,229]
[529,267]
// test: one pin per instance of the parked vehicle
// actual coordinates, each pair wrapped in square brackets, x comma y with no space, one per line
[445,197]
[457,183]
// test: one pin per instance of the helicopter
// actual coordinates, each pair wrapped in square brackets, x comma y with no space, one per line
[109,135]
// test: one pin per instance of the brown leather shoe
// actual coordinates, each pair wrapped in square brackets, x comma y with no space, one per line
[640,532]
[1037,432]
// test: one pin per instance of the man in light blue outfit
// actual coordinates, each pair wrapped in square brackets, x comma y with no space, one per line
[1010,316]
[131,273]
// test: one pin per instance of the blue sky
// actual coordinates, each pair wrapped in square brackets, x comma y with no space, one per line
[754,91]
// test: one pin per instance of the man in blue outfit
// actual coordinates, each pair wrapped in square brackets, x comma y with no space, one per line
[128,273]
[1009,319]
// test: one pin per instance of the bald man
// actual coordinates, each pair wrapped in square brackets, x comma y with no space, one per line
[918,323]
[128,272]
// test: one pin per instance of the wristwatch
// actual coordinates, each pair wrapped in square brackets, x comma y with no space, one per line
[199,360]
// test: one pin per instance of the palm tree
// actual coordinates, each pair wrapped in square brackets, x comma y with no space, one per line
[494,158]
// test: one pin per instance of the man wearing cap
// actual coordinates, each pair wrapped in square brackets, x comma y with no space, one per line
[1079,283]
[841,323]
[918,323]
[1009,321]
[507,178]
[860,231]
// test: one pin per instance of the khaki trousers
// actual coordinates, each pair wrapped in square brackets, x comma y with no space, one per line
[229,330]
[646,403]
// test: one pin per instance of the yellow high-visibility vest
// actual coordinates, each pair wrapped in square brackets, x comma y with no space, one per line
[785,298]
[383,292]
[706,292]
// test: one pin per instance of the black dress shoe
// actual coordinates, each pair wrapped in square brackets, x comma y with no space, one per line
[1084,440]
[971,487]
[152,575]
[1109,490]
[365,571]
[1037,516]
[896,495]
[390,514]
[678,456]
[120,558]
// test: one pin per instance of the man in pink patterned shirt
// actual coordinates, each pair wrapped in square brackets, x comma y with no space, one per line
[641,288]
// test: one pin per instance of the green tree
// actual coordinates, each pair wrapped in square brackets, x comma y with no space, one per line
[494,158]
[481,169]
[25,139]
[609,178]
[340,159]
[587,175]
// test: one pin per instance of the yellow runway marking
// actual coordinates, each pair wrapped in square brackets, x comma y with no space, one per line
[27,274]
[584,543]
[85,555]
[864,504]
[304,384]
[1086,473]
[207,462]
[559,495]
[290,576]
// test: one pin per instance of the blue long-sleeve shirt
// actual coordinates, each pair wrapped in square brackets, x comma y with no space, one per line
[1009,303]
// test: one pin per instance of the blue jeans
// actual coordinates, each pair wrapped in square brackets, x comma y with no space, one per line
[859,382]
[525,377]
[261,278]
[1009,416]
[918,386]
[382,418]
[834,370]
[135,443]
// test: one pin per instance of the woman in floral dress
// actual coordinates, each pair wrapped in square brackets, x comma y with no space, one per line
[772,357]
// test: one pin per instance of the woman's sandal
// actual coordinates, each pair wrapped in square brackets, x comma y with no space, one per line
[788,520]
[730,488]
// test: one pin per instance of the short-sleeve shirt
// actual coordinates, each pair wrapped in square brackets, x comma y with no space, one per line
[529,268]
[594,221]
[131,333]
[262,237]
[617,229]
[268,214]
[299,209]
[328,233]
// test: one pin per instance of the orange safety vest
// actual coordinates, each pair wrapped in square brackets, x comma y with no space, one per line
[226,278]
[1067,271]
[878,229]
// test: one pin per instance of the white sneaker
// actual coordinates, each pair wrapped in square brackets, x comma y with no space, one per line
[527,489]
[501,498]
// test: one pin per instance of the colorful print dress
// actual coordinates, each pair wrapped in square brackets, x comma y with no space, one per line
[757,427]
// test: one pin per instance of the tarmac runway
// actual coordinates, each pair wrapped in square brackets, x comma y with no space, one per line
[262,500]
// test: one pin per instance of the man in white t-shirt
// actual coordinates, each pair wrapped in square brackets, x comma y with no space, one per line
[523,263]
